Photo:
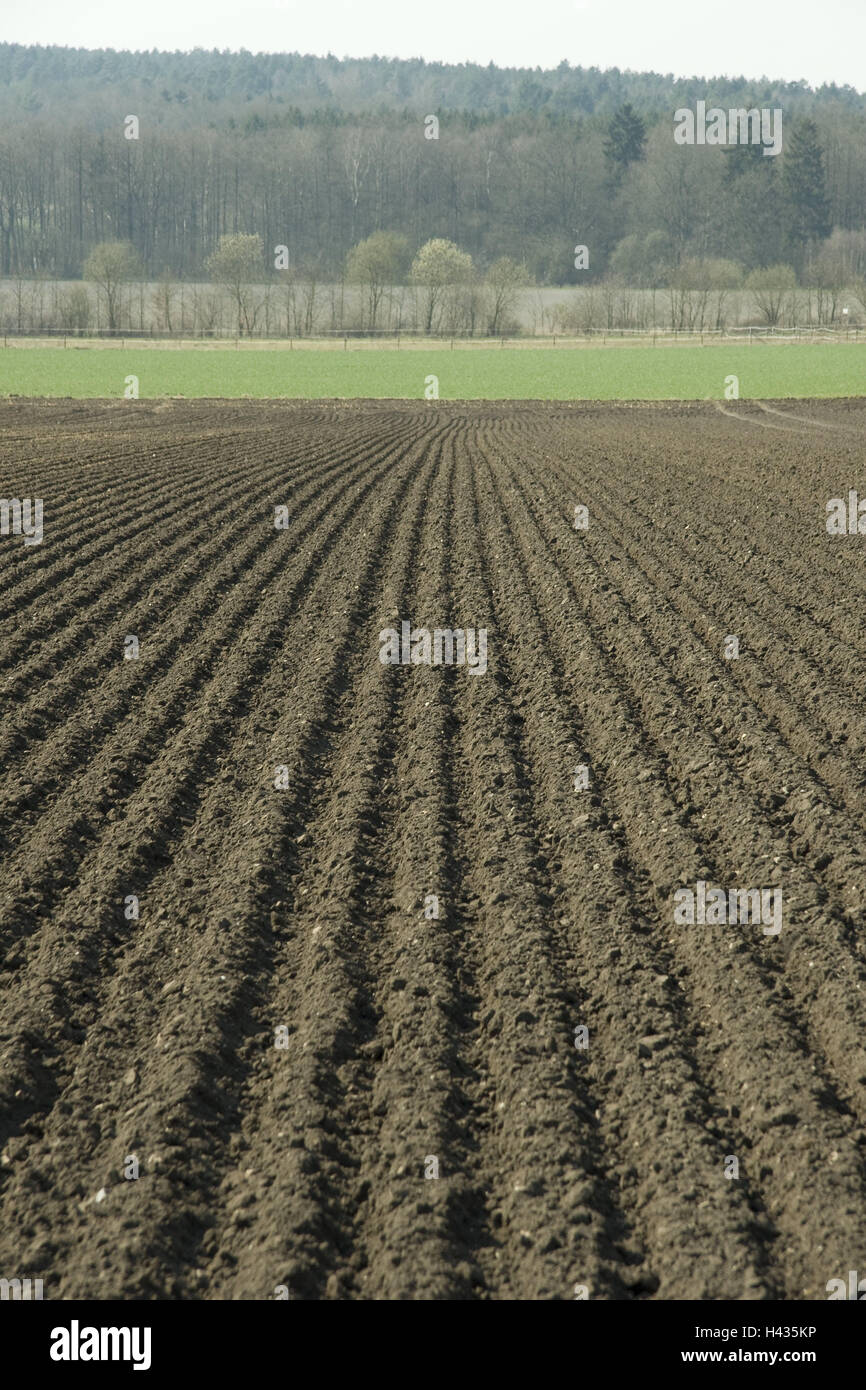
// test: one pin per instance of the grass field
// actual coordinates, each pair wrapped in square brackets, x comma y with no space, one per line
[632,373]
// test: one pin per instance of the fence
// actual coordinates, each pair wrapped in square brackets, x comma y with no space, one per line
[341,340]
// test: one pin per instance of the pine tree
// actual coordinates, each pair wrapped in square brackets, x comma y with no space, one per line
[805,187]
[626,140]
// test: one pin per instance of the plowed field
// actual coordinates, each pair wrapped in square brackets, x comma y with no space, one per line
[282,1043]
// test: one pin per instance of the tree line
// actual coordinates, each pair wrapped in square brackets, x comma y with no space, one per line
[442,292]
[320,155]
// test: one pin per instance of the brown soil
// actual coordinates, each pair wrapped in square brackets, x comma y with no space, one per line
[411,1039]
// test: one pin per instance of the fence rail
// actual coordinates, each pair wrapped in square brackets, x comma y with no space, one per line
[338,339]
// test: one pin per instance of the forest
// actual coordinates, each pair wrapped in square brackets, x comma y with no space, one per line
[172,153]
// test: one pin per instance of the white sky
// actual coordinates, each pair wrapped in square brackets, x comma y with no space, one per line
[788,39]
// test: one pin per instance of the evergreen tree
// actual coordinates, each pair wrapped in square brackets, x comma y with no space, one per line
[805,188]
[626,140]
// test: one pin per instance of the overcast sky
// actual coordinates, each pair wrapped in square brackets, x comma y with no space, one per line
[779,38]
